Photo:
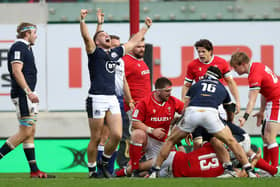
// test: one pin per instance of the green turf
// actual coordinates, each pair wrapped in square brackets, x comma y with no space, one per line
[81,180]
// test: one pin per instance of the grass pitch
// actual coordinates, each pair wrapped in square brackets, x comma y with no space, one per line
[81,180]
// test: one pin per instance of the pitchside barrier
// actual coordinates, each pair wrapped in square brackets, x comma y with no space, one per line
[63,155]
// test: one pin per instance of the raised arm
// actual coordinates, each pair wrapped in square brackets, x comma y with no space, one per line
[100,19]
[90,45]
[138,36]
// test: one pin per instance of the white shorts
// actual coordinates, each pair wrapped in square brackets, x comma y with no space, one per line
[166,167]
[222,112]
[152,148]
[24,107]
[98,105]
[246,143]
[202,116]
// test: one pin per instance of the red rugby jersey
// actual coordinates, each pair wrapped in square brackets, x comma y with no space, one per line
[137,75]
[196,69]
[155,114]
[202,162]
[262,77]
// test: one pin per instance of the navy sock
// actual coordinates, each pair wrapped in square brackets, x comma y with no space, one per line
[99,157]
[5,149]
[111,166]
[30,156]
[105,159]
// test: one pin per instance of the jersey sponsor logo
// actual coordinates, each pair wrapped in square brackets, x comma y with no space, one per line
[17,55]
[154,111]
[166,118]
[110,66]
[145,72]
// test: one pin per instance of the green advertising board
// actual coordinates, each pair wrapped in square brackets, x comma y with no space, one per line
[62,155]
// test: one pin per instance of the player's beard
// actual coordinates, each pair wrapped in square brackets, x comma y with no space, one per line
[139,55]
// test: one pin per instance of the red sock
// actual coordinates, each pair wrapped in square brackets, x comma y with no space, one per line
[135,155]
[262,164]
[273,153]
[265,154]
[121,172]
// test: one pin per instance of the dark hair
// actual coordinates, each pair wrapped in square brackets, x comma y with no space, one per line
[95,35]
[23,28]
[214,71]
[115,37]
[204,43]
[162,82]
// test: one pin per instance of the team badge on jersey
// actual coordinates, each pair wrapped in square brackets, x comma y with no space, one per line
[154,111]
[114,54]
[169,109]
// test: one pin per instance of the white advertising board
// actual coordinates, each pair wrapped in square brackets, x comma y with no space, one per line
[63,80]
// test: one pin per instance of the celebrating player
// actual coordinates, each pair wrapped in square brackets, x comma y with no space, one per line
[102,101]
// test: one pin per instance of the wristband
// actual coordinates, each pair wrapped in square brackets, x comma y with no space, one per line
[82,20]
[246,115]
[131,101]
[26,91]
[150,130]
[146,26]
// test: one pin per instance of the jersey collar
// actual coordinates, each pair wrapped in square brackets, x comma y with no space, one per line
[24,41]
[250,65]
[156,101]
[139,59]
[207,62]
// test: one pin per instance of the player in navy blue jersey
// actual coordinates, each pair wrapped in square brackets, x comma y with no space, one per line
[23,73]
[204,97]
[102,101]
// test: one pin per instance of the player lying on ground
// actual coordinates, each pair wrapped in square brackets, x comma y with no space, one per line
[202,162]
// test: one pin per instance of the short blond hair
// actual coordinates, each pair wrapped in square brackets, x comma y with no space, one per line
[238,58]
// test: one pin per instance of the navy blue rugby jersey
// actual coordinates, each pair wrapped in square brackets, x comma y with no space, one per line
[102,65]
[208,92]
[21,52]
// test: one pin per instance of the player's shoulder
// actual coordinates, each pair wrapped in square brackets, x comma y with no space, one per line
[193,63]
[218,59]
[18,45]
[255,68]
[173,99]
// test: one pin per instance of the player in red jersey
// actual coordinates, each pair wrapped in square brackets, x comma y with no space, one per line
[198,67]
[202,162]
[261,80]
[137,73]
[151,121]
